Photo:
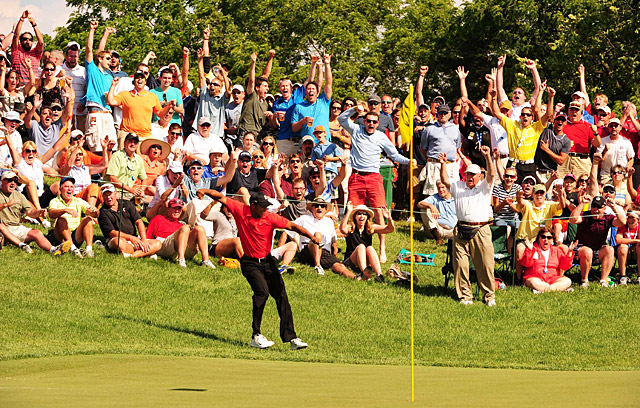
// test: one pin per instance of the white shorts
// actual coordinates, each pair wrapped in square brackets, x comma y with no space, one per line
[431,174]
[99,124]
[20,231]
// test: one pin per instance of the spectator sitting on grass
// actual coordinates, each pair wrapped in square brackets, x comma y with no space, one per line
[67,210]
[358,228]
[322,255]
[544,264]
[13,205]
[154,154]
[179,241]
[168,186]
[119,226]
[126,169]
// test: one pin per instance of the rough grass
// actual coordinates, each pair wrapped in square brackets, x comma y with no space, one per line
[66,306]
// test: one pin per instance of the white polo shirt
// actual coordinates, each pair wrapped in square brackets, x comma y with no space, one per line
[472,205]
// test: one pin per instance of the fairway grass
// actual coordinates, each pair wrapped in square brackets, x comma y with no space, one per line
[159,381]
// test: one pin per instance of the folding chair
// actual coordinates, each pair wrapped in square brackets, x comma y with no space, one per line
[504,261]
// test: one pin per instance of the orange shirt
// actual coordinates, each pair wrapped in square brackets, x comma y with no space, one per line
[137,111]
[153,170]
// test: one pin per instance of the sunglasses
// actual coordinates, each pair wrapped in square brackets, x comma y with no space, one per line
[206,125]
[155,147]
[258,157]
[56,109]
[456,112]
[26,39]
[268,143]
[608,190]
[318,206]
[526,114]
[387,102]
[12,180]
[510,176]
[617,172]
[315,176]
[108,58]
[539,192]
[529,182]
[583,181]
[294,161]
[49,69]
[236,92]
[195,168]
[546,237]
[216,84]
[371,121]
[374,103]
[175,133]
[560,119]
[613,125]
[603,114]
[245,161]
[30,151]
[349,105]
[336,107]
[144,72]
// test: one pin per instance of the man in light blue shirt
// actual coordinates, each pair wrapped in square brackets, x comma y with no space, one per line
[440,137]
[365,181]
[314,111]
[438,213]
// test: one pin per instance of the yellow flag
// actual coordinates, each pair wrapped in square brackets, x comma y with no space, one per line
[406,117]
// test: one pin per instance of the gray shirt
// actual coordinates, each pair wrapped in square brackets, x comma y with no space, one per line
[45,139]
[437,138]
[214,108]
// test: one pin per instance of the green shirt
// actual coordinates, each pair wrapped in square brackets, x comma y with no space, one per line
[12,216]
[171,94]
[76,203]
[126,169]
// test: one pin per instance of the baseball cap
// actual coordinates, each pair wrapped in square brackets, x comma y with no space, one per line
[473,168]
[444,108]
[308,138]
[439,99]
[561,115]
[259,199]
[570,175]
[244,156]
[605,109]
[579,94]
[374,98]
[65,179]
[132,136]
[539,187]
[193,162]
[529,178]
[237,87]
[72,44]
[203,120]
[633,214]
[175,167]
[8,175]
[314,170]
[55,103]
[76,133]
[319,129]
[506,105]
[107,188]
[609,186]
[267,96]
[4,55]
[175,202]
[575,105]
[139,74]
[615,120]
[13,116]
[597,202]
[424,105]
[319,200]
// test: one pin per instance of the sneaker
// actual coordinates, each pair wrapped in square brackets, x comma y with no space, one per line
[76,252]
[607,283]
[89,253]
[208,263]
[286,269]
[297,344]
[154,257]
[585,283]
[98,244]
[624,280]
[181,262]
[569,290]
[319,270]
[31,220]
[466,302]
[261,342]
[26,248]
[46,223]
[491,303]
[379,278]
[61,249]
[536,292]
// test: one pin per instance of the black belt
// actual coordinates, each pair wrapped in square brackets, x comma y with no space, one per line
[475,224]
[266,259]
[580,155]
[504,156]
[362,173]
[429,159]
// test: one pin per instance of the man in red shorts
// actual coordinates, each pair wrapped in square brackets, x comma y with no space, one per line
[366,182]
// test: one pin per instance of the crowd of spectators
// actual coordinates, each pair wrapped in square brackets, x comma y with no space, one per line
[126,147]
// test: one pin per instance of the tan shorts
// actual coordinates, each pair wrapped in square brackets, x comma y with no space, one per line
[287,146]
[99,125]
[431,174]
[576,166]
[20,231]
[169,248]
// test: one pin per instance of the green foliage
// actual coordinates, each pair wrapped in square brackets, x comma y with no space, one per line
[378,45]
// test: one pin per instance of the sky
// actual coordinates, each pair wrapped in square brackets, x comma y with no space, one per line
[49,14]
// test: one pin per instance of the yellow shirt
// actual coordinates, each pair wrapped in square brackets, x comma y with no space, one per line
[76,203]
[534,218]
[523,141]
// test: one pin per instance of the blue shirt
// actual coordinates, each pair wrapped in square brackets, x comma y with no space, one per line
[446,208]
[588,117]
[171,94]
[328,149]
[319,111]
[98,84]
[437,138]
[366,148]
[287,106]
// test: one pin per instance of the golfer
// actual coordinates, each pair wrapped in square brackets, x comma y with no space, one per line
[255,229]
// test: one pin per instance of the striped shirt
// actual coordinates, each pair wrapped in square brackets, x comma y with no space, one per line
[19,55]
[506,213]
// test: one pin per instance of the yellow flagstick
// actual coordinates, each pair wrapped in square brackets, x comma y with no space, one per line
[406,132]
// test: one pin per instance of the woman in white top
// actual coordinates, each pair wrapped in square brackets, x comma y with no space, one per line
[10,90]
[74,167]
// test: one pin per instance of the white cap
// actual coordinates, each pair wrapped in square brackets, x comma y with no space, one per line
[75,133]
[615,120]
[237,87]
[473,169]
[14,116]
[107,188]
[175,167]
[579,94]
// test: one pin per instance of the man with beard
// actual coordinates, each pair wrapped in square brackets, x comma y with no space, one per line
[22,47]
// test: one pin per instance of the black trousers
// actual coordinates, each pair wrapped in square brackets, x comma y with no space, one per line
[265,280]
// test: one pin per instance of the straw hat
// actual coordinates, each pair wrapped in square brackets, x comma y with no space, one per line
[361,208]
[147,143]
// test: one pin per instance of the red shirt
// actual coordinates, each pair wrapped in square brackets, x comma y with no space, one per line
[626,233]
[629,131]
[256,234]
[581,134]
[161,226]
[534,263]
[18,57]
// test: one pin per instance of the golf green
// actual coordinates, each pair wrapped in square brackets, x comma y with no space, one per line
[159,381]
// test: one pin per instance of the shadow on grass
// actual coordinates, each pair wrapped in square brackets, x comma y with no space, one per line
[198,333]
